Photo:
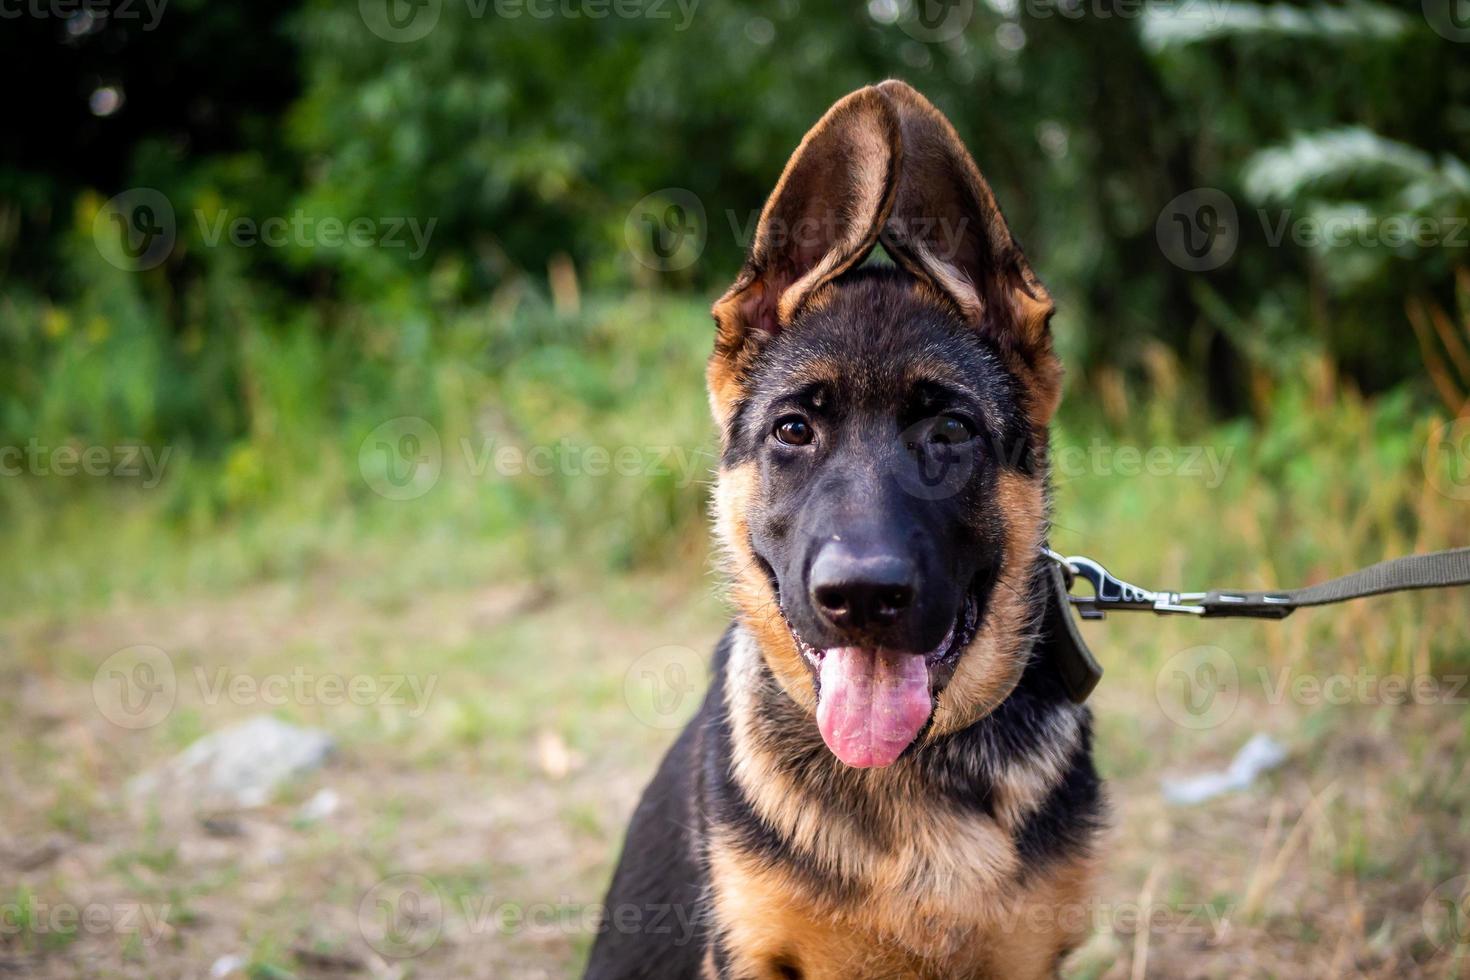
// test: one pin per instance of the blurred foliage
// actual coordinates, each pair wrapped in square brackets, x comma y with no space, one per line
[1328,480]
[519,145]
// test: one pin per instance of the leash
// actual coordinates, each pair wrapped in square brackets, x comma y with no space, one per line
[1079,668]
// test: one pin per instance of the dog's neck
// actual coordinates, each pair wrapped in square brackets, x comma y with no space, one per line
[958,823]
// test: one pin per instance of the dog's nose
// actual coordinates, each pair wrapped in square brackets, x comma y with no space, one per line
[854,590]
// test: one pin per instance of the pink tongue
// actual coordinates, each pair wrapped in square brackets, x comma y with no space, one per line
[872,703]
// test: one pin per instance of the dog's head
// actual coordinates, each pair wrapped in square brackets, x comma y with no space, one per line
[881,495]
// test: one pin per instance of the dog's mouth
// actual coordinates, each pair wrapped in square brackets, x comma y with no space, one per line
[874,702]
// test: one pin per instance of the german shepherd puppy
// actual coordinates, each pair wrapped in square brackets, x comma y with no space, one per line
[887,777]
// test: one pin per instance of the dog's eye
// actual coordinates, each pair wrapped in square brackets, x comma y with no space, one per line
[793,430]
[951,430]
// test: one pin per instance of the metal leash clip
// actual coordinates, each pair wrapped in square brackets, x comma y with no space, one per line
[1112,593]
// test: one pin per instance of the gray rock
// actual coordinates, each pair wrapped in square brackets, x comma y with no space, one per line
[242,765]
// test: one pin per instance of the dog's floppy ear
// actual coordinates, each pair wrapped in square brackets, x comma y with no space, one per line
[823,218]
[946,228]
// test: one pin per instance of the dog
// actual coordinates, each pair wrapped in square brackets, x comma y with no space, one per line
[887,776]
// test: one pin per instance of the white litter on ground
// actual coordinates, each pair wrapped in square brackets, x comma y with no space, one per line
[1260,755]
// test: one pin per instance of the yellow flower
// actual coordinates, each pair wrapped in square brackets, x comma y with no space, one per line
[88,204]
[55,322]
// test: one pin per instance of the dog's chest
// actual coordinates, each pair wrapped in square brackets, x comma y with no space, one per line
[932,918]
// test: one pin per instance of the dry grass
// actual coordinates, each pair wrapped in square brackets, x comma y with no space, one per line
[510,791]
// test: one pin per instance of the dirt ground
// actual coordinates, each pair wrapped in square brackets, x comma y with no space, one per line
[485,811]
